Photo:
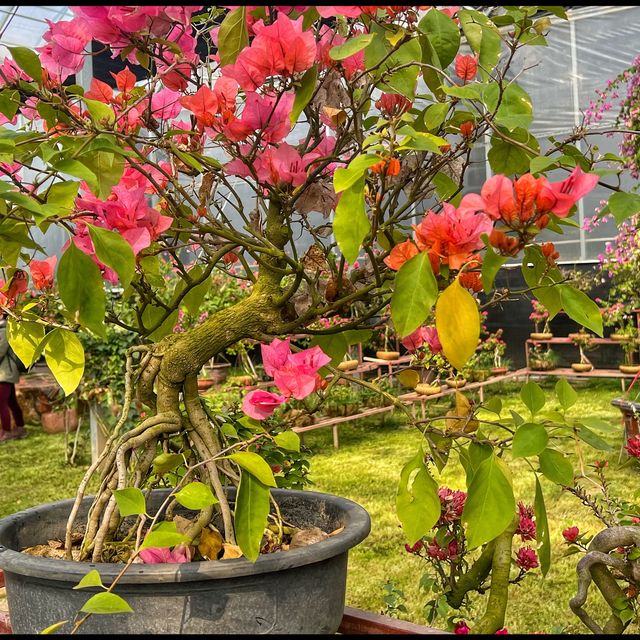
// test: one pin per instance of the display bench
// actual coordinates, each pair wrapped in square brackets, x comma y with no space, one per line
[412,398]
[569,372]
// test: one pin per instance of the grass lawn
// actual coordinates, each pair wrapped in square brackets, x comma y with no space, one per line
[366,469]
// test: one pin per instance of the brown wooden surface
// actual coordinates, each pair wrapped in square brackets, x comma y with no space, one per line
[358,622]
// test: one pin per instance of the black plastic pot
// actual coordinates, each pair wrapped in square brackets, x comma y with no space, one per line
[296,591]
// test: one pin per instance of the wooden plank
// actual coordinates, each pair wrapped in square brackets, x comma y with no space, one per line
[594,373]
[358,622]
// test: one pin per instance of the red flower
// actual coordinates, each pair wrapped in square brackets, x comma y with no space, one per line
[393,104]
[526,525]
[471,280]
[549,252]
[466,67]
[570,534]
[466,128]
[501,632]
[451,504]
[526,558]
[400,254]
[42,272]
[414,548]
[563,195]
[390,167]
[261,404]
[633,446]
[461,628]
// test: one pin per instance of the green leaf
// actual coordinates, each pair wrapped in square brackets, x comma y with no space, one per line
[78,170]
[108,168]
[91,579]
[532,396]
[64,355]
[490,266]
[9,104]
[471,91]
[233,35]
[417,501]
[164,535]
[443,34]
[556,467]
[592,439]
[507,158]
[351,223]
[351,175]
[130,501]
[288,440]
[53,628]
[529,440]
[567,396]
[490,503]
[515,108]
[542,163]
[166,462]
[415,291]
[458,324]
[251,511]
[336,345]
[25,339]
[106,602]
[28,61]
[196,496]
[581,308]
[624,205]
[542,530]
[351,46]
[422,141]
[435,115]
[446,187]
[81,288]
[483,37]
[255,465]
[114,251]
[599,425]
[304,92]
[63,194]
[538,275]
[101,114]
[493,404]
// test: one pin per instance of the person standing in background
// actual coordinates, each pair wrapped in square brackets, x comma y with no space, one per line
[9,375]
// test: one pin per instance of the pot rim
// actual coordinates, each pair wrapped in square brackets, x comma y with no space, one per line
[357,525]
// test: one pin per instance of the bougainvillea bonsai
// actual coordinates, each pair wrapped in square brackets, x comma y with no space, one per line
[250,127]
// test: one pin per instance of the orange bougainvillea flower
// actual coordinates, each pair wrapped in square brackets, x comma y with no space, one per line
[466,67]
[400,254]
[505,244]
[549,252]
[466,128]
[390,167]
[471,280]
[42,272]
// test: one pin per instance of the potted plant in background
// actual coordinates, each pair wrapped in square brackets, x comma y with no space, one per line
[542,358]
[583,340]
[540,316]
[385,353]
[630,348]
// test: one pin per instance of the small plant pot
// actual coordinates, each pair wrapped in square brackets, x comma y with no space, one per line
[428,389]
[578,336]
[348,365]
[218,372]
[581,367]
[205,383]
[455,383]
[54,421]
[540,365]
[629,368]
[618,337]
[241,381]
[498,371]
[541,336]
[387,355]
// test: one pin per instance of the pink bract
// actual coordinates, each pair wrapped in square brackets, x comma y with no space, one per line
[261,404]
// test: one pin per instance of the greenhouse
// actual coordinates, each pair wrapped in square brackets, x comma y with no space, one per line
[319,319]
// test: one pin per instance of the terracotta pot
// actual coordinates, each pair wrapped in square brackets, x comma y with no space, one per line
[498,371]
[541,336]
[428,389]
[629,368]
[581,367]
[218,372]
[618,337]
[348,365]
[455,383]
[205,383]
[387,355]
[54,421]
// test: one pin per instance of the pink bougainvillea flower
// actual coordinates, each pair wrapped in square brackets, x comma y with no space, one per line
[393,104]
[125,80]
[329,38]
[502,632]
[63,55]
[432,340]
[100,91]
[42,272]
[566,193]
[203,104]
[400,254]
[268,116]
[453,235]
[280,166]
[261,404]
[274,355]
[414,340]
[461,628]
[347,11]
[16,285]
[162,555]
[281,48]
[165,104]
[298,377]
[527,558]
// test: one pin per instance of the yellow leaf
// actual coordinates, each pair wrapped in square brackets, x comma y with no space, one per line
[409,378]
[231,551]
[458,324]
[210,544]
